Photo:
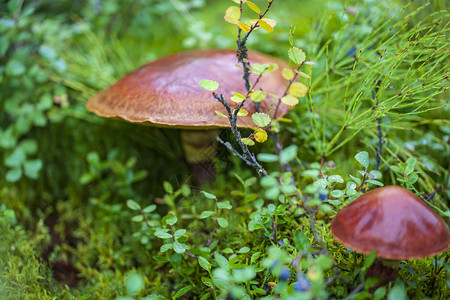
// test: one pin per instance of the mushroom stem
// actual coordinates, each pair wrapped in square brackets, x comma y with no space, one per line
[385,269]
[200,148]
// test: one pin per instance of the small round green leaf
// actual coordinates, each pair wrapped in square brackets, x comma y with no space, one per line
[15,68]
[137,218]
[133,205]
[208,195]
[149,208]
[296,55]
[267,157]
[268,181]
[209,85]
[165,247]
[134,284]
[16,158]
[263,68]
[397,292]
[244,250]
[14,175]
[32,168]
[222,222]
[224,205]
[178,247]
[336,193]
[206,213]
[247,141]
[182,291]
[363,158]
[162,234]
[335,178]
[204,263]
[179,233]
[171,220]
[261,119]
[288,154]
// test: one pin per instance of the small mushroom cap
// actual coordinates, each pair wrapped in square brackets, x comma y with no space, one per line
[394,222]
[166,92]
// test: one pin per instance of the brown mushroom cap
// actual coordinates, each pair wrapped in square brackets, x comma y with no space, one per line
[166,92]
[394,222]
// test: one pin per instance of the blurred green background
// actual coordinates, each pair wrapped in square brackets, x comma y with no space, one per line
[65,174]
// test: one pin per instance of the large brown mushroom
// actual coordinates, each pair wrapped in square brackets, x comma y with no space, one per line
[395,223]
[166,92]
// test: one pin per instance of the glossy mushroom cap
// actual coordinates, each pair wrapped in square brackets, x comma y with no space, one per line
[166,92]
[394,222]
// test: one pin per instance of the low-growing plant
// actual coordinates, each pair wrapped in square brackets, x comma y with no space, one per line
[370,111]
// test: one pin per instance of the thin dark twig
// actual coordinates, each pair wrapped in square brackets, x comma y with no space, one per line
[355,291]
[274,229]
[363,181]
[242,55]
[312,220]
[248,157]
[287,89]
[208,244]
[252,163]
[380,131]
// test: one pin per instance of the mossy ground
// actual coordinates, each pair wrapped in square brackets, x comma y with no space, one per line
[66,230]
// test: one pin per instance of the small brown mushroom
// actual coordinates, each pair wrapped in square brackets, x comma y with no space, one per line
[395,223]
[166,93]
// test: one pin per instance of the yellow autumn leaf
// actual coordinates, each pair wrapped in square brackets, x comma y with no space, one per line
[265,26]
[232,14]
[289,100]
[243,26]
[271,22]
[258,96]
[253,7]
[285,120]
[241,113]
[237,97]
[260,135]
[288,74]
[298,89]
[221,114]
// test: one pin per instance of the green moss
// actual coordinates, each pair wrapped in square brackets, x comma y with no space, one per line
[23,273]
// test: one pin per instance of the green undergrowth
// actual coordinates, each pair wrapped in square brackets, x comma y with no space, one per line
[24,274]
[112,205]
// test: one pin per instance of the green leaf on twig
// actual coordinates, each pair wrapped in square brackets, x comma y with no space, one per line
[209,85]
[261,119]
[296,55]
